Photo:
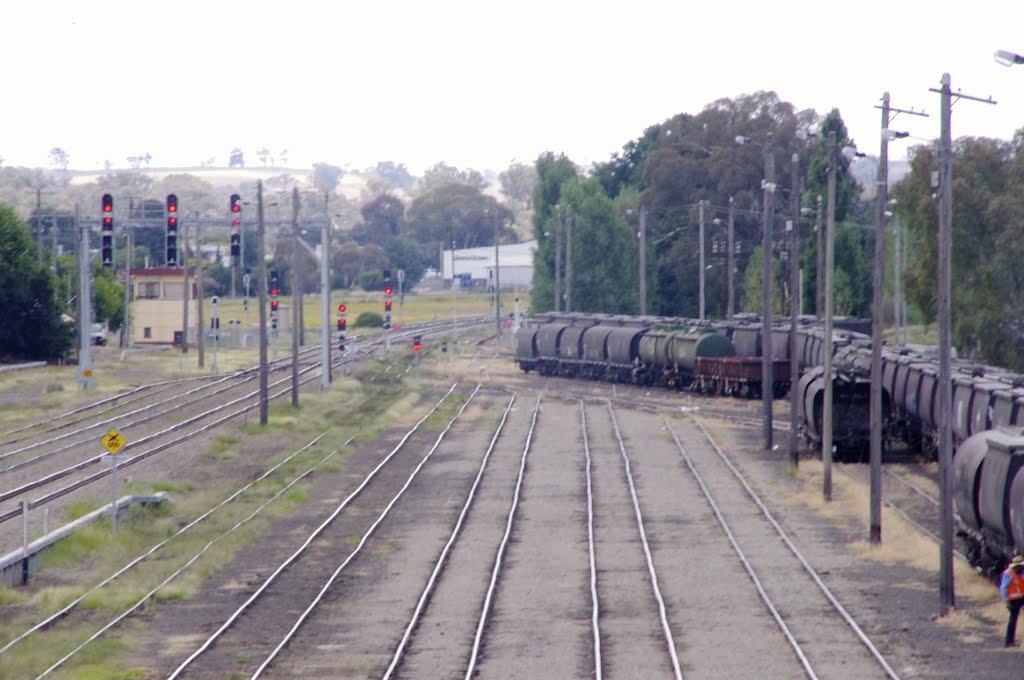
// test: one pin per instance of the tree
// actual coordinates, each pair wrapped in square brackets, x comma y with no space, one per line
[413,258]
[518,182]
[442,174]
[34,328]
[988,223]
[349,261]
[236,159]
[382,220]
[553,172]
[263,154]
[59,157]
[604,251]
[327,176]
[457,212]
[108,296]
[396,174]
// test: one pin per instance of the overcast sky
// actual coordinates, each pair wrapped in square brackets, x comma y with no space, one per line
[474,83]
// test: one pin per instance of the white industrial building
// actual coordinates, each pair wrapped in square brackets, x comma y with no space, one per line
[476,266]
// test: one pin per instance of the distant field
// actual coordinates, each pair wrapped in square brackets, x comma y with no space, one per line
[415,309]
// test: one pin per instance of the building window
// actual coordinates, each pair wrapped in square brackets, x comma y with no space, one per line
[147,332]
[174,291]
[149,290]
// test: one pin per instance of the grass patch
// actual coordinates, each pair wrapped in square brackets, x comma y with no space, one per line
[78,510]
[167,486]
[223,443]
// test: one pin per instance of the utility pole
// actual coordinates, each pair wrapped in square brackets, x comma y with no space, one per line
[897,296]
[700,237]
[946,593]
[200,294]
[569,219]
[827,345]
[819,271]
[558,260]
[497,285]
[296,298]
[794,313]
[325,298]
[262,273]
[730,260]
[642,235]
[878,282]
[185,291]
[767,377]
[84,303]
[127,288]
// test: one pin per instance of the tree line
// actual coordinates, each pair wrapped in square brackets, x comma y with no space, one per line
[688,159]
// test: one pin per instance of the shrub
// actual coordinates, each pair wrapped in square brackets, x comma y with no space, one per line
[369,320]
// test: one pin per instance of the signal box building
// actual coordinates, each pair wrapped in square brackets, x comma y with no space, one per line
[158,306]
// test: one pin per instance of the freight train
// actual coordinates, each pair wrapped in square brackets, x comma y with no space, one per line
[987,409]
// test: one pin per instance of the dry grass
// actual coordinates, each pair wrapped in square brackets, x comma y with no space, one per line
[901,544]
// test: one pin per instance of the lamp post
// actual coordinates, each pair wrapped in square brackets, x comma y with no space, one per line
[1007,58]
[700,266]
[830,227]
[767,377]
[794,313]
[875,451]
[642,236]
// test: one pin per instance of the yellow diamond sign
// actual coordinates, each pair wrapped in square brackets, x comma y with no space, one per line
[113,441]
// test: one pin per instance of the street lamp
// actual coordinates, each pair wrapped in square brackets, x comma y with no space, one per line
[1007,58]
[875,437]
[767,378]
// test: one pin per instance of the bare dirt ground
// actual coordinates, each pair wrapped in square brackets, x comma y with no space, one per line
[540,626]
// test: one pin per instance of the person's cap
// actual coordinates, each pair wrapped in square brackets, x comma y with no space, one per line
[1017,561]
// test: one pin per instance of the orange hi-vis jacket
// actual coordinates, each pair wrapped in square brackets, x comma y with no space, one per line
[1014,584]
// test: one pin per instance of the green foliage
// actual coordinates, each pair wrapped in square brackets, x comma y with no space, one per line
[987,239]
[108,297]
[457,212]
[383,218]
[372,280]
[518,183]
[411,257]
[552,173]
[369,320]
[34,328]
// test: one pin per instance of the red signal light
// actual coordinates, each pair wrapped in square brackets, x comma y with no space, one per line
[235,198]
[108,203]
[342,308]
[273,291]
[387,305]
[387,290]
[273,305]
[172,221]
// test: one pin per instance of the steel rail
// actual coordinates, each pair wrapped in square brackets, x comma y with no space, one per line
[489,597]
[594,602]
[663,614]
[441,560]
[309,540]
[803,561]
[366,536]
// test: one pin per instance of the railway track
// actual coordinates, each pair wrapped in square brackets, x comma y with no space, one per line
[595,531]
[45,462]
